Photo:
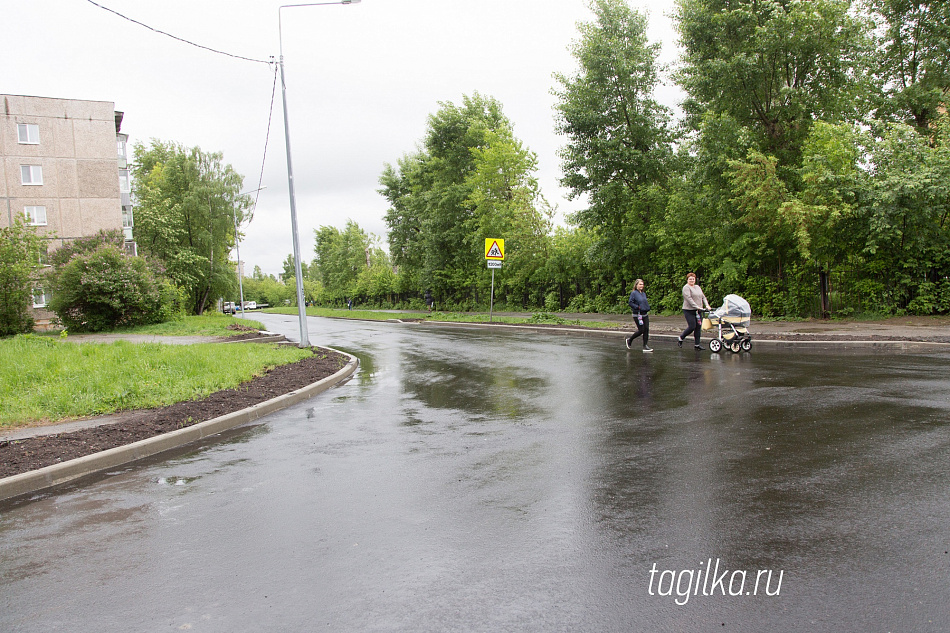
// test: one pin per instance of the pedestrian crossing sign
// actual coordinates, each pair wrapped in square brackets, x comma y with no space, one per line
[494,248]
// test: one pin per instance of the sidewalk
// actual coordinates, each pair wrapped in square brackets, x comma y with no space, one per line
[896,329]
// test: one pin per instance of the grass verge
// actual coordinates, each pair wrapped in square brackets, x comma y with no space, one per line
[207,324]
[450,317]
[46,379]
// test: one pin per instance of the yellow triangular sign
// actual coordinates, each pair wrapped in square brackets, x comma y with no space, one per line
[494,248]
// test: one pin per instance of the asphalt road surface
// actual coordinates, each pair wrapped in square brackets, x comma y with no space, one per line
[473,479]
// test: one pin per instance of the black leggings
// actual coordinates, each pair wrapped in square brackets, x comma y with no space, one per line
[642,329]
[692,325]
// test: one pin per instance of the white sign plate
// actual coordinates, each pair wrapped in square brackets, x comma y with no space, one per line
[493,263]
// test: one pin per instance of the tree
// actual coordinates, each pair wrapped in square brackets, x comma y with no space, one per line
[267,289]
[442,196]
[187,204]
[566,271]
[619,150]
[914,58]
[507,202]
[774,66]
[341,256]
[20,249]
[288,270]
[908,217]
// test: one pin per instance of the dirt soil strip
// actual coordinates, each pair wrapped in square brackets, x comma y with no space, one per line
[36,463]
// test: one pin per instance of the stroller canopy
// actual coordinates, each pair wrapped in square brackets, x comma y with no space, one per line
[734,306]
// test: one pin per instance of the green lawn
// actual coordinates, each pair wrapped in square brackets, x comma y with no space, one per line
[452,317]
[208,324]
[43,378]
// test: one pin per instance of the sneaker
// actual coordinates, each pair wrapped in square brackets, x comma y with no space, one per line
[699,347]
[628,344]
[647,350]
[679,342]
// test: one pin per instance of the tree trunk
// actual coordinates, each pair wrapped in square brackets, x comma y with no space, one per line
[823,289]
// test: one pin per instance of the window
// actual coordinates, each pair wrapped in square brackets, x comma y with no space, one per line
[35,216]
[28,133]
[120,146]
[41,298]
[124,181]
[31,174]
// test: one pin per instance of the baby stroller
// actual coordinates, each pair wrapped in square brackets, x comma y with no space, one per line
[731,322]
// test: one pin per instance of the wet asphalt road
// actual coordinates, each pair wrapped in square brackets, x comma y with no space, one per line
[473,480]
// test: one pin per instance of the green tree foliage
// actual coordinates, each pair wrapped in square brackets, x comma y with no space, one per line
[349,264]
[567,272]
[20,249]
[619,152]
[106,289]
[268,289]
[908,217]
[187,203]
[914,58]
[810,172]
[774,66]
[288,269]
[771,87]
[507,203]
[446,196]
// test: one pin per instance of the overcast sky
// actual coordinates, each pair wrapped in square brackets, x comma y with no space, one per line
[361,81]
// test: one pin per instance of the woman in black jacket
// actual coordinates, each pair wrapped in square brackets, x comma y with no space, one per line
[640,306]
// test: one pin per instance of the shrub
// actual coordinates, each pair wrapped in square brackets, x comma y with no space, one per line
[106,289]
[84,245]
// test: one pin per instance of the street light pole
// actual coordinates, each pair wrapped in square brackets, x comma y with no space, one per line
[301,307]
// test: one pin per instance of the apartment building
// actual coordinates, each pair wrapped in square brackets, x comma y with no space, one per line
[64,168]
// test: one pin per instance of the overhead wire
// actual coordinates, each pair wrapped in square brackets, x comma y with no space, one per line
[270,114]
[270,117]
[174,37]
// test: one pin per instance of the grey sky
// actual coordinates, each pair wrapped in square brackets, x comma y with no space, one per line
[361,81]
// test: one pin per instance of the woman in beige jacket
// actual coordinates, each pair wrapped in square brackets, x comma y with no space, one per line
[693,303]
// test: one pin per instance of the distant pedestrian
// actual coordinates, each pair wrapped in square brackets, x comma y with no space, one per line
[694,301]
[349,304]
[640,306]
[429,300]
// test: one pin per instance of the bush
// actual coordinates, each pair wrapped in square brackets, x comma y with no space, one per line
[107,289]
[85,245]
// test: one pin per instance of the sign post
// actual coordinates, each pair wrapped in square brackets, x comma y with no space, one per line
[495,254]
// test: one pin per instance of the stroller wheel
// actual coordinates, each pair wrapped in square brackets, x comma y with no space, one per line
[715,345]
[734,347]
[746,344]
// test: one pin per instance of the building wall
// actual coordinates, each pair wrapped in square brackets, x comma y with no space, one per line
[77,151]
[79,160]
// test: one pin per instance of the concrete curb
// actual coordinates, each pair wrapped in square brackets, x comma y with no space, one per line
[595,333]
[57,474]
